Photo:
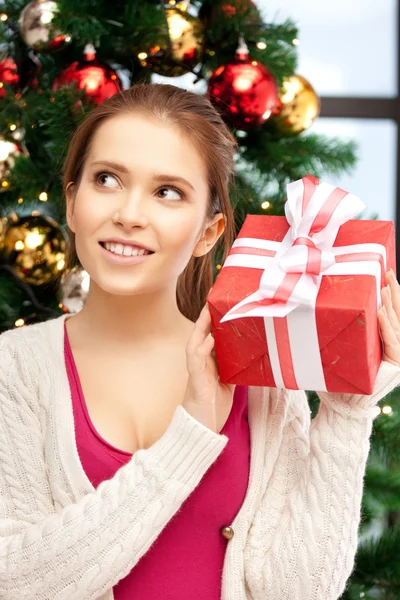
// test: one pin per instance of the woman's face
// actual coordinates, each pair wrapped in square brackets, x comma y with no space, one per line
[140,198]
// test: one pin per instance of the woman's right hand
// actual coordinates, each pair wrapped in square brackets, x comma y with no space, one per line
[204,393]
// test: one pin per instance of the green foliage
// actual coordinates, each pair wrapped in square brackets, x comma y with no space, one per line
[377,569]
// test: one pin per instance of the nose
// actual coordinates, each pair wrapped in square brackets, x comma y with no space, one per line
[131,210]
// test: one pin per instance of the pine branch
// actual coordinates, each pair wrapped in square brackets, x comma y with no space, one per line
[385,439]
[383,486]
[378,565]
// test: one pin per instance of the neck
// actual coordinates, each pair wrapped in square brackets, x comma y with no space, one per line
[140,320]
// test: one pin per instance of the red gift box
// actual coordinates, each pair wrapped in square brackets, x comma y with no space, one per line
[348,337]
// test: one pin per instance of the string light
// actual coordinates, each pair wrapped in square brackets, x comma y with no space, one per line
[43,196]
[142,55]
[34,239]
[387,410]
[265,204]
[3,17]
[20,200]
[13,127]
[19,323]
[261,45]
[296,42]
[219,267]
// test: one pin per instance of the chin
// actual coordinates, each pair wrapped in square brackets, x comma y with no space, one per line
[118,288]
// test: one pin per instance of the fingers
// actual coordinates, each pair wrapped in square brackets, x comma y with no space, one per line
[388,334]
[201,330]
[206,347]
[387,301]
[394,291]
[389,321]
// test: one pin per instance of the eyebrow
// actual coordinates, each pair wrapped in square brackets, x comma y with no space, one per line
[156,177]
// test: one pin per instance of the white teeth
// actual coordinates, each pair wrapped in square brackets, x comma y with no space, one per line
[124,250]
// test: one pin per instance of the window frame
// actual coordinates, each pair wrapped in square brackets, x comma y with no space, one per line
[373,108]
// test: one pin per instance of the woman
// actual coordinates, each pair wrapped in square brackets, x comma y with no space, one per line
[127,469]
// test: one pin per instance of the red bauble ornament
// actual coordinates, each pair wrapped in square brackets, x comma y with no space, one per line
[19,78]
[224,17]
[8,74]
[97,78]
[232,9]
[244,90]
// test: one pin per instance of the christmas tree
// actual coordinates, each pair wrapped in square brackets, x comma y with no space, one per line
[59,59]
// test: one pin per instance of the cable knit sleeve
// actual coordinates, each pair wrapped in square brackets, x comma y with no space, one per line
[83,550]
[305,534]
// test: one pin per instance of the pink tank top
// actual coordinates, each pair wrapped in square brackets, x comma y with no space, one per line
[186,562]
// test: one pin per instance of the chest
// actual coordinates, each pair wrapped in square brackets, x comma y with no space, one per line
[131,402]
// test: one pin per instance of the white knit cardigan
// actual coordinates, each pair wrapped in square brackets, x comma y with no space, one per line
[295,536]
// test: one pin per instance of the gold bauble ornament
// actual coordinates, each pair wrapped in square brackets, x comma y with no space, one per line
[34,24]
[9,151]
[183,43]
[74,287]
[3,224]
[297,108]
[35,247]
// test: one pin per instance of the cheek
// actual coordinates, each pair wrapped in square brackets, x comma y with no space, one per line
[86,221]
[88,213]
[179,240]
[182,232]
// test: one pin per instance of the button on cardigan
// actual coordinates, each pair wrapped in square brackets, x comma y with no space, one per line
[61,538]
[187,559]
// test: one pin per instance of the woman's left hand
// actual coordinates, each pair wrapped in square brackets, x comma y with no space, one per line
[389,319]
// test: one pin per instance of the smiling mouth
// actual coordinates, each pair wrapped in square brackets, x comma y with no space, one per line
[146,253]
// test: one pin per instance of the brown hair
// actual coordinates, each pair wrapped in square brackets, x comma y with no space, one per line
[196,118]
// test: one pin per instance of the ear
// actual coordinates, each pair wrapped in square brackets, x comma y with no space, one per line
[210,236]
[70,203]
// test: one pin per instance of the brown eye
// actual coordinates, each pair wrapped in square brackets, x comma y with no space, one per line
[170,188]
[102,176]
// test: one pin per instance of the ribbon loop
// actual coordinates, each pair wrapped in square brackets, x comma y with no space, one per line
[314,211]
